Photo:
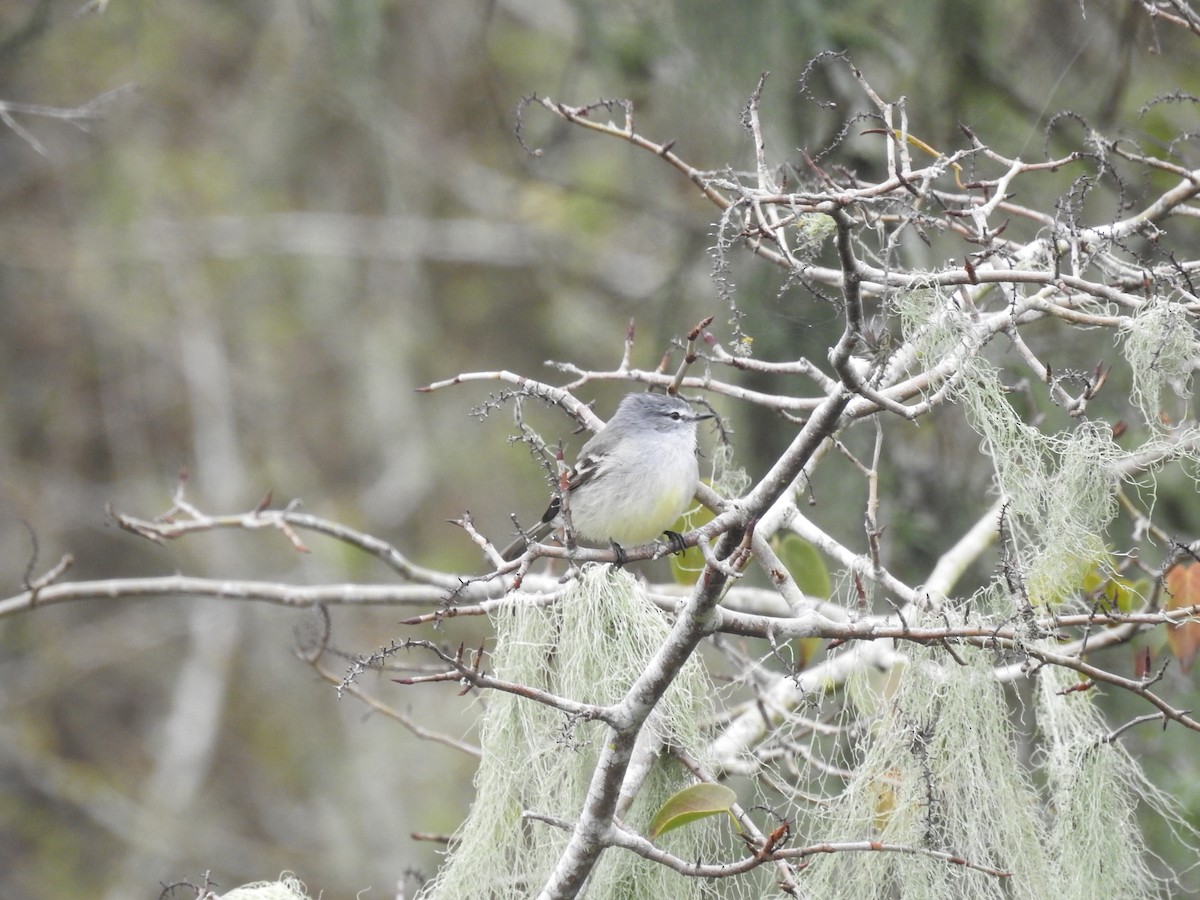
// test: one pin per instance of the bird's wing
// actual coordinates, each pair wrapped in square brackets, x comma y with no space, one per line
[587,467]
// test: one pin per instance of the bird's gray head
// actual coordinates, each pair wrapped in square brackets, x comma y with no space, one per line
[660,412]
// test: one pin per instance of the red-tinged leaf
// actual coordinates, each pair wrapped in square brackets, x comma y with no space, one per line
[1141,662]
[1183,586]
[697,801]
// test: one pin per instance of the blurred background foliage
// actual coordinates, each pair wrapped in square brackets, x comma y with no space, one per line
[305,210]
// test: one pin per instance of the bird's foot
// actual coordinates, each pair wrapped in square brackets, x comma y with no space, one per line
[675,544]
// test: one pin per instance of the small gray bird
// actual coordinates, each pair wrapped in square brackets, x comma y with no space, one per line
[634,477]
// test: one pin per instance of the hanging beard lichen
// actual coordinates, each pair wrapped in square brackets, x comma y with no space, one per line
[941,771]
[589,647]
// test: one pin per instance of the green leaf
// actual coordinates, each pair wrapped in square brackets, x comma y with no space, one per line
[805,564]
[806,649]
[1118,593]
[695,802]
[687,566]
